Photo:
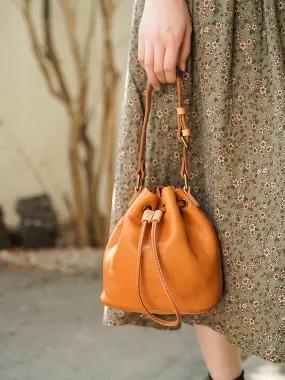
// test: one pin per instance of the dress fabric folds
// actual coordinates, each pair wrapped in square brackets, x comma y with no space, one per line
[234,90]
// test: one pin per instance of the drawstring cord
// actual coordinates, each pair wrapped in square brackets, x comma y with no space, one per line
[154,217]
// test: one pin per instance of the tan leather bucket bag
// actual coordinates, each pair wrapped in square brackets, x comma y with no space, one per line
[163,256]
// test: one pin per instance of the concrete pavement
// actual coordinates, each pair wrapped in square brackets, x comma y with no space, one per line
[51,329]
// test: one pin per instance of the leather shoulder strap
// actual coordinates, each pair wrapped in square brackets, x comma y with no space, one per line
[183,132]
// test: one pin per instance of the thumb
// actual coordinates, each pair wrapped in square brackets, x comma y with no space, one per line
[185,50]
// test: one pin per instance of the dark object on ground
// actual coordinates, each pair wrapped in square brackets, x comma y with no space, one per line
[15,239]
[4,234]
[38,223]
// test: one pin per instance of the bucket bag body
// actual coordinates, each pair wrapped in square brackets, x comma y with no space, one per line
[163,256]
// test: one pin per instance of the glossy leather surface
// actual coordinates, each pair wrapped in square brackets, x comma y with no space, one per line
[188,252]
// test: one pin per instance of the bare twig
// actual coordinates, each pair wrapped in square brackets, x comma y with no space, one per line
[90,32]
[25,9]
[89,165]
[110,86]
[70,21]
[76,105]
[107,8]
[52,55]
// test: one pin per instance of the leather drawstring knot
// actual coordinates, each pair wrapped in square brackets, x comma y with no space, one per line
[154,217]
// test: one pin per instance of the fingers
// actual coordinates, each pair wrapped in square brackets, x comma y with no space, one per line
[149,66]
[159,62]
[170,62]
[141,51]
[164,39]
[185,49]
[159,53]
[159,59]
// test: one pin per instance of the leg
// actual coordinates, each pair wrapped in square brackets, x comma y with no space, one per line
[222,358]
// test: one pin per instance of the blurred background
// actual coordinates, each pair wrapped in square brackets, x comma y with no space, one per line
[63,65]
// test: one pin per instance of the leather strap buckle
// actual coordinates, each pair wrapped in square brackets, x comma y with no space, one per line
[138,184]
[184,142]
[186,182]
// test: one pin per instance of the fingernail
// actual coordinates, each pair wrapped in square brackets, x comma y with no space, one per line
[157,88]
[183,66]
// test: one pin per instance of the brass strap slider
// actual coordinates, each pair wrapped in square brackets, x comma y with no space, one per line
[138,184]
[186,182]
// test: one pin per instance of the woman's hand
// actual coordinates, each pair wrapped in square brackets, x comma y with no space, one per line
[164,39]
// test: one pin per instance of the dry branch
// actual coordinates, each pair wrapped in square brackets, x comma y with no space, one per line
[110,87]
[76,105]
[52,54]
[70,22]
[90,32]
[26,11]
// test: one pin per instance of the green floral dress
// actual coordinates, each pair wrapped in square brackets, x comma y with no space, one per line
[234,90]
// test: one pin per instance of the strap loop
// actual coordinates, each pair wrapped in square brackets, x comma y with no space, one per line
[182,132]
[181,111]
[147,218]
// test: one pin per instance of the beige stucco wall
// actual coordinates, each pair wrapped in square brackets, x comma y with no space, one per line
[34,132]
